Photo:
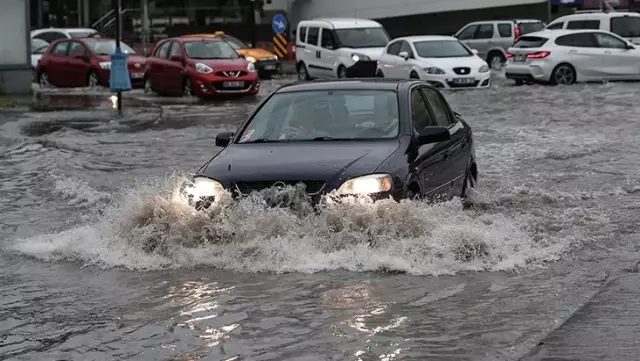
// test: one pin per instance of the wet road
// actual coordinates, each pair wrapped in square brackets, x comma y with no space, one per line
[552,237]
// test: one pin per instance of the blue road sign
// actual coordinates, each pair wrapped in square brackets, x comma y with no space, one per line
[279,24]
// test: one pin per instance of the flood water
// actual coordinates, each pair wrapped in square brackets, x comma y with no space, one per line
[96,263]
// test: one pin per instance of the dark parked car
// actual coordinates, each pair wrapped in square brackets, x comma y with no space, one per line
[379,137]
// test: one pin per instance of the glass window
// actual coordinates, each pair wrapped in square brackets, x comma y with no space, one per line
[163,50]
[76,48]
[175,49]
[505,30]
[468,33]
[312,38]
[363,37]
[555,26]
[441,49]
[609,41]
[394,48]
[303,34]
[327,39]
[583,24]
[107,47]
[530,42]
[485,31]
[626,26]
[580,40]
[438,107]
[420,114]
[326,114]
[60,48]
[83,33]
[235,42]
[404,46]
[530,27]
[209,49]
[38,46]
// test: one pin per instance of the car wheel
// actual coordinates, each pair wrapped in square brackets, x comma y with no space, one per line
[342,72]
[303,74]
[496,61]
[92,79]
[414,75]
[187,88]
[469,183]
[563,74]
[43,80]
[379,73]
[148,89]
[413,192]
[519,82]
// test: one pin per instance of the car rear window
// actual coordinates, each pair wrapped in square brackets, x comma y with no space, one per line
[626,26]
[530,27]
[530,42]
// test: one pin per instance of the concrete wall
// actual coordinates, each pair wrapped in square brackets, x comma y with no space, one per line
[15,48]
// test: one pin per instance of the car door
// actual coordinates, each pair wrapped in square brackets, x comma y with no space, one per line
[174,69]
[328,53]
[583,53]
[390,59]
[467,34]
[57,68]
[314,64]
[78,68]
[156,66]
[483,39]
[429,159]
[619,61]
[458,148]
[405,66]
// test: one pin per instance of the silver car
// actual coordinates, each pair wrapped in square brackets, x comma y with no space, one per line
[492,38]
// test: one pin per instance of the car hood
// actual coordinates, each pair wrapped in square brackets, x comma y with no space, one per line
[373,53]
[473,62]
[223,64]
[331,161]
[256,53]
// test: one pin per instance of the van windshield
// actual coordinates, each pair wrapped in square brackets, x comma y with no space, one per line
[626,26]
[363,37]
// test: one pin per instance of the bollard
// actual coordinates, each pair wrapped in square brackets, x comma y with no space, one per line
[119,80]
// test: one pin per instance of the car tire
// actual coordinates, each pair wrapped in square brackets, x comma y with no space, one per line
[563,74]
[379,74]
[43,79]
[413,192]
[148,87]
[342,72]
[303,73]
[187,87]
[414,75]
[496,60]
[519,82]
[93,80]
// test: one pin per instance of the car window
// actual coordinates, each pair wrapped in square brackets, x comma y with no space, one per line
[555,26]
[530,42]
[75,48]
[336,114]
[420,114]
[211,49]
[175,49]
[51,36]
[609,41]
[485,31]
[441,49]
[439,109]
[583,24]
[38,46]
[302,36]
[580,40]
[163,50]
[626,26]
[468,32]
[107,47]
[327,40]
[60,49]
[312,36]
[530,27]
[404,46]
[355,38]
[505,30]
[394,48]
[235,42]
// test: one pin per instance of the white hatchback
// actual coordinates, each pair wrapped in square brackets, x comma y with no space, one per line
[569,56]
[443,61]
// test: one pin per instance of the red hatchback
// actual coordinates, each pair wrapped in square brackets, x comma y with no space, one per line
[203,67]
[85,62]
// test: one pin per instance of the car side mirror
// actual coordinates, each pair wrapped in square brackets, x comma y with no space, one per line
[404,55]
[474,51]
[431,135]
[176,58]
[223,139]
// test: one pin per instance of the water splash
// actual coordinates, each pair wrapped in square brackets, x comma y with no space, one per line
[149,230]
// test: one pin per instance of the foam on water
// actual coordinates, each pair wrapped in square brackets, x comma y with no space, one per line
[147,230]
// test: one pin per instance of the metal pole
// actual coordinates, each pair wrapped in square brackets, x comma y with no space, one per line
[118,5]
[145,26]
[252,25]
[79,10]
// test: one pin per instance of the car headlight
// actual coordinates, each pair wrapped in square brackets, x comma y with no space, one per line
[358,57]
[275,57]
[251,68]
[368,184]
[433,70]
[203,68]
[105,65]
[484,69]
[251,59]
[201,192]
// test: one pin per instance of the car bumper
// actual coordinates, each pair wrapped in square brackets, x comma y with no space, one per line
[362,69]
[206,86]
[528,71]
[474,80]
[267,67]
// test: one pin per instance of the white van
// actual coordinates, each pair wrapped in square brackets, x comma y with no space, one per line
[339,48]
[623,24]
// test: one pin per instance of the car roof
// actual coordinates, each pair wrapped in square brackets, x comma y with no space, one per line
[37,31]
[345,23]
[196,38]
[504,21]
[546,33]
[346,84]
[595,15]
[427,38]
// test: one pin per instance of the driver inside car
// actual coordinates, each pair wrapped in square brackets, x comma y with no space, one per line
[310,119]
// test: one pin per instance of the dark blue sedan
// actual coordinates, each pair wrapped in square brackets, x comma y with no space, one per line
[377,137]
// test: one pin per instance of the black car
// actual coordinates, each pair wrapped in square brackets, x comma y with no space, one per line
[379,137]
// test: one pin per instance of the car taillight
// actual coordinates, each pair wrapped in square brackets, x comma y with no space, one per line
[539,55]
[516,32]
[508,55]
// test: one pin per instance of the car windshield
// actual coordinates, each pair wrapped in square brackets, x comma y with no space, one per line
[530,27]
[209,49]
[235,42]
[441,49]
[363,37]
[83,33]
[38,46]
[626,26]
[325,115]
[107,47]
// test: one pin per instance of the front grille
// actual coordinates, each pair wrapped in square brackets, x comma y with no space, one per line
[231,74]
[462,71]
[470,85]
[219,85]
[312,187]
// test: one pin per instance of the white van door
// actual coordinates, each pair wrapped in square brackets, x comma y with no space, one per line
[327,53]
[312,49]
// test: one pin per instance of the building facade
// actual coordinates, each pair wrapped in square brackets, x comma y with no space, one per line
[15,49]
